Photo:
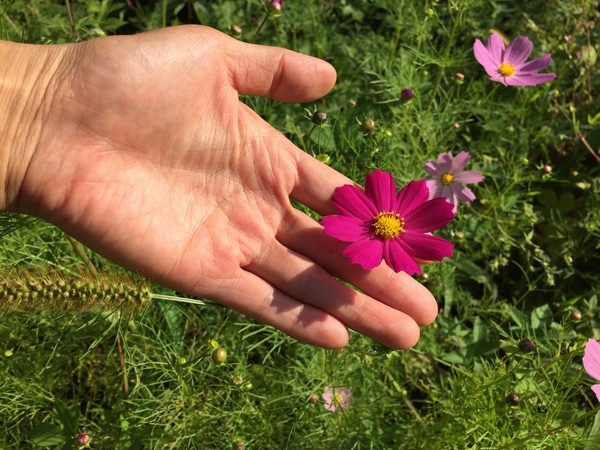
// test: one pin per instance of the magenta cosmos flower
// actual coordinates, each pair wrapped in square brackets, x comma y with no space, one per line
[591,363]
[448,178]
[337,399]
[383,225]
[508,66]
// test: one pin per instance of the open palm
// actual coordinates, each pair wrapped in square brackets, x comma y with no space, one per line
[148,157]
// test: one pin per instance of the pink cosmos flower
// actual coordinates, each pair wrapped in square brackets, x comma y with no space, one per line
[383,225]
[449,176]
[591,363]
[508,66]
[337,399]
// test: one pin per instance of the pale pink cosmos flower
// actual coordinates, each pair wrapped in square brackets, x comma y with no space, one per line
[507,65]
[337,399]
[381,224]
[591,363]
[449,177]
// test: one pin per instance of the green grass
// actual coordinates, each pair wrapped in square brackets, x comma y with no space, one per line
[526,264]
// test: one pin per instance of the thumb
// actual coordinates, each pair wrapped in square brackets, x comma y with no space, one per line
[277,73]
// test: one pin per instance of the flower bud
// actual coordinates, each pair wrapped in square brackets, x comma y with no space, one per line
[275,5]
[83,439]
[319,117]
[182,361]
[513,399]
[324,158]
[313,399]
[527,346]
[407,94]
[368,125]
[236,30]
[459,77]
[219,355]
[576,315]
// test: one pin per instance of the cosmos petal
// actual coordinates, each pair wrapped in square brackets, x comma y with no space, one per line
[380,188]
[499,79]
[495,47]
[460,162]
[530,80]
[433,168]
[468,176]
[463,193]
[351,200]
[445,161]
[435,187]
[428,247]
[591,359]
[367,251]
[344,228]
[482,54]
[429,216]
[596,389]
[411,196]
[396,256]
[535,65]
[518,51]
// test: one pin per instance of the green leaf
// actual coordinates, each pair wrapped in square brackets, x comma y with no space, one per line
[595,120]
[174,322]
[541,317]
[594,436]
[548,197]
[588,53]
[46,435]
[68,416]
[478,274]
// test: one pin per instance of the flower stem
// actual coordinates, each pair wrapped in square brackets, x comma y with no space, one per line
[262,24]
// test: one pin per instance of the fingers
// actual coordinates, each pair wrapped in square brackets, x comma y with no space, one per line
[276,73]
[396,290]
[310,284]
[316,183]
[260,300]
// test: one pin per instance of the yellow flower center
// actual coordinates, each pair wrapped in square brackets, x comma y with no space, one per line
[388,225]
[506,69]
[447,178]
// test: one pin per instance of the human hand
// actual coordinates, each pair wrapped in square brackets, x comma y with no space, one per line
[146,155]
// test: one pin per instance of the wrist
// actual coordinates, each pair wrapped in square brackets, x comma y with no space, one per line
[28,84]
